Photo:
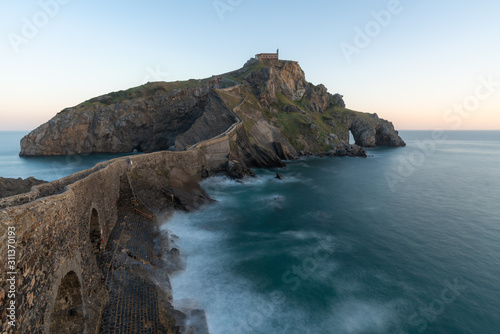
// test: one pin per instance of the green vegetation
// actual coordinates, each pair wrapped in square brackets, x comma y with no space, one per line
[233,146]
[146,90]
[305,129]
[229,99]
[366,117]
[311,126]
[239,76]
[293,125]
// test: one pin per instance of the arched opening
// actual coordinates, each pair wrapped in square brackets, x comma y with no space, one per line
[351,138]
[95,232]
[67,315]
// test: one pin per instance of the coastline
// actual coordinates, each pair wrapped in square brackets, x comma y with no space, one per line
[137,263]
[82,211]
[60,225]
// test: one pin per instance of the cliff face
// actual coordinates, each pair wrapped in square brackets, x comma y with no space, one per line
[148,118]
[369,130]
[283,115]
[11,187]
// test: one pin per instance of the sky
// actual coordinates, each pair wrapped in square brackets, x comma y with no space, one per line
[421,64]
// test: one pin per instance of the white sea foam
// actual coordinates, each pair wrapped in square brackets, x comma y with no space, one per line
[363,316]
[305,234]
[235,303]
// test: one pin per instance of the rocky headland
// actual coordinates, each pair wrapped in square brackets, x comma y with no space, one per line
[284,116]
[90,253]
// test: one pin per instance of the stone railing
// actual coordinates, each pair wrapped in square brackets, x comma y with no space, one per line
[58,225]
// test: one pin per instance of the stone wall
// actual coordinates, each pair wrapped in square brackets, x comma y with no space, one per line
[58,281]
[53,240]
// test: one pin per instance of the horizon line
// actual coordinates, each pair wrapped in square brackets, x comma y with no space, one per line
[23,130]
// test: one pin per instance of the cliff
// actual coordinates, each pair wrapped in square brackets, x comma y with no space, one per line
[88,241]
[11,187]
[283,116]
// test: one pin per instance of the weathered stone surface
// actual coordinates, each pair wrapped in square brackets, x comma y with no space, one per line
[238,171]
[55,229]
[53,240]
[160,116]
[61,226]
[278,77]
[347,150]
[293,108]
[11,187]
[193,321]
[369,130]
[146,123]
[135,273]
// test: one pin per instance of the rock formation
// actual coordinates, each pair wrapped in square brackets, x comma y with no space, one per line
[369,130]
[281,112]
[257,116]
[11,187]
[343,150]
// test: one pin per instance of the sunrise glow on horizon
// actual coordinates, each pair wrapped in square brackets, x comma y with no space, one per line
[418,64]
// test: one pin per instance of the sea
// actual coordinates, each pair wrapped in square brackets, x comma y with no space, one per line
[406,240]
[42,168]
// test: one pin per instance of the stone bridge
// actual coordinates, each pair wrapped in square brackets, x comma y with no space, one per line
[59,229]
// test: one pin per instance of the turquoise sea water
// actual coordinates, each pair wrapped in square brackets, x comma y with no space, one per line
[404,241]
[43,168]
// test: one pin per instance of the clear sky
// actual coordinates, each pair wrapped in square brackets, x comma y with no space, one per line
[421,64]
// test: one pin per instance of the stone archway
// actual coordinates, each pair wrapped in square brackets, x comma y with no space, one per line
[95,233]
[351,137]
[67,315]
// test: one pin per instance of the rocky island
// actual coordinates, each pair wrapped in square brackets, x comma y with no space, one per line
[283,116]
[90,257]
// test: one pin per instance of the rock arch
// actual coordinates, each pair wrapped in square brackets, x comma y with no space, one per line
[351,139]
[68,313]
[369,130]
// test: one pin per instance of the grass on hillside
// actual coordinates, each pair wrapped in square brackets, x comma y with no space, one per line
[146,90]
[239,75]
[297,124]
[229,99]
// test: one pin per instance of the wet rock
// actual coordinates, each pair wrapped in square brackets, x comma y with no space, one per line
[236,170]
[191,321]
[347,150]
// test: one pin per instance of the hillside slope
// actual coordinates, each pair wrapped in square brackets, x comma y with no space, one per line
[283,116]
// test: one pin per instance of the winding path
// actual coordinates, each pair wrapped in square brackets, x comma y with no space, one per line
[225,133]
